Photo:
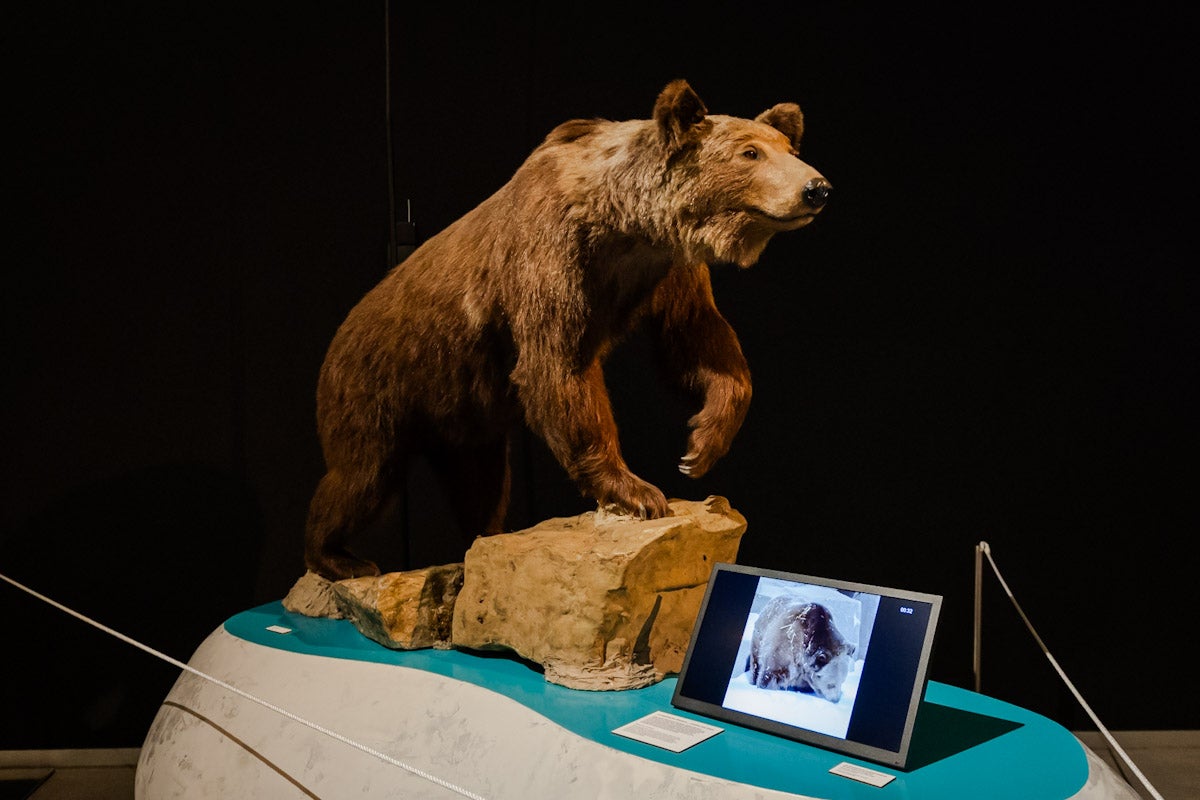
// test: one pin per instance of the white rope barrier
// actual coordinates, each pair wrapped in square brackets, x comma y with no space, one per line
[983,548]
[240,693]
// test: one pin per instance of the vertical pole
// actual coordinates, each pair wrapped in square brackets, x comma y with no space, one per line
[976,660]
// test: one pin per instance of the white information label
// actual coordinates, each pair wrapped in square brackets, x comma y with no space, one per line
[668,731]
[278,629]
[855,772]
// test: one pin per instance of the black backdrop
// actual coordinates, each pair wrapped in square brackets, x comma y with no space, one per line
[988,335]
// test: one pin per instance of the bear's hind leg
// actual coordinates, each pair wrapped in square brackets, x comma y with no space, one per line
[342,504]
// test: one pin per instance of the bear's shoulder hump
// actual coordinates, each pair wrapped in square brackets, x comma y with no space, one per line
[572,131]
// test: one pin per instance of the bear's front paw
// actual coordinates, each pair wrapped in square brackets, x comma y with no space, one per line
[702,454]
[634,497]
[695,464]
[710,439]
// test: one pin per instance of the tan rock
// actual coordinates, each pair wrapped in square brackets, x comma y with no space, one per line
[313,596]
[403,610]
[601,601]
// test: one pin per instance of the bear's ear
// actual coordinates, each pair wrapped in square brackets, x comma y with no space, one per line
[787,119]
[677,111]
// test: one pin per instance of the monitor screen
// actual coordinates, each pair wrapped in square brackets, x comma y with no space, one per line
[832,663]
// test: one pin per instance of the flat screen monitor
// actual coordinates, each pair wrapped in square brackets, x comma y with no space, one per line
[832,663]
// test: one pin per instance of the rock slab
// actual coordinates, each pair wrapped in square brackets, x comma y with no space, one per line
[313,596]
[400,610]
[601,601]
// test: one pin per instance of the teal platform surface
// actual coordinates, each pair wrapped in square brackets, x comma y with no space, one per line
[965,744]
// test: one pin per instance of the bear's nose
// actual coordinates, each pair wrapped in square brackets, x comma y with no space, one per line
[816,192]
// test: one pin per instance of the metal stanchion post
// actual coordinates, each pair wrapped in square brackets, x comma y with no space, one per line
[976,661]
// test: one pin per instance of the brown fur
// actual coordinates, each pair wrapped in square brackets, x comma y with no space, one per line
[510,311]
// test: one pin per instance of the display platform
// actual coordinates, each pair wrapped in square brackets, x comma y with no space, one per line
[342,716]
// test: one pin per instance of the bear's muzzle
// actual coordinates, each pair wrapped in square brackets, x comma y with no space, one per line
[816,192]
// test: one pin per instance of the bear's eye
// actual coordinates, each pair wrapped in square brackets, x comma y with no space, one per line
[750,153]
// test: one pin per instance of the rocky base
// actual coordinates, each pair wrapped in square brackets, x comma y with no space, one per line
[601,601]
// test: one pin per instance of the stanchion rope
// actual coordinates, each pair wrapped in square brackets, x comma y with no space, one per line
[983,546]
[244,694]
[987,551]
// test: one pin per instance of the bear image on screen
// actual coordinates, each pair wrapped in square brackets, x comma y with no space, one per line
[801,655]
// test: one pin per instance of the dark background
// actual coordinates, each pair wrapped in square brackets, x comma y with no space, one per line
[988,335]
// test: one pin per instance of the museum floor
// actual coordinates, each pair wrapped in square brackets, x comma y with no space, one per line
[1170,760]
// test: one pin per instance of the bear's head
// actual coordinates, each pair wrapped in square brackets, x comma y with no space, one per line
[824,657]
[737,181]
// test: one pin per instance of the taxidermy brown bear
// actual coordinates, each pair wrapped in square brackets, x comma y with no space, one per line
[509,313]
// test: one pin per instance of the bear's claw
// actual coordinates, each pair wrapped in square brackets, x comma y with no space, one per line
[694,465]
